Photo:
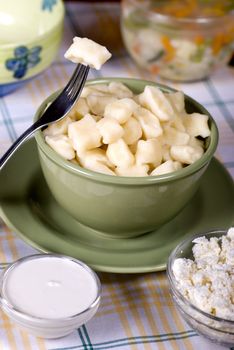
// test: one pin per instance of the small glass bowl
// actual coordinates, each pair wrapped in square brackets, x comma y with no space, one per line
[168,40]
[214,328]
[48,328]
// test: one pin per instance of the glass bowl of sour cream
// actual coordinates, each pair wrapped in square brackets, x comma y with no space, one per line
[49,295]
[200,271]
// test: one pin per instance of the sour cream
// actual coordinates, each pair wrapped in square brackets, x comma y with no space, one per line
[50,295]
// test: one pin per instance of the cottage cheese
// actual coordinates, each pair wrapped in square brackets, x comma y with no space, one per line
[208,280]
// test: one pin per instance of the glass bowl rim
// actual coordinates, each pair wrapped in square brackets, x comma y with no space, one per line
[4,302]
[185,20]
[171,277]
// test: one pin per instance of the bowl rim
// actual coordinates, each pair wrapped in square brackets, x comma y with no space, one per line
[171,277]
[38,38]
[129,180]
[201,20]
[8,306]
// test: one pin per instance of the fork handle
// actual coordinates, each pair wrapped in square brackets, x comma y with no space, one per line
[18,142]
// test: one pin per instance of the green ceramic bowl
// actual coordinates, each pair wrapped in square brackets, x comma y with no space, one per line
[30,35]
[123,206]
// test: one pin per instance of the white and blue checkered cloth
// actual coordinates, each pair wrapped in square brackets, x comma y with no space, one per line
[137,312]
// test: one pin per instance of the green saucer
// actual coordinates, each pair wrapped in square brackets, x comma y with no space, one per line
[29,209]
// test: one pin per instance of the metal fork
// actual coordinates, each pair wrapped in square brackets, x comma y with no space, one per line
[57,110]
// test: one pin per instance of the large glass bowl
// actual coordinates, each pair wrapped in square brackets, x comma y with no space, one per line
[167,38]
[214,328]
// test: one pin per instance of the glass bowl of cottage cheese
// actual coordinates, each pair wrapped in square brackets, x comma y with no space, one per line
[201,276]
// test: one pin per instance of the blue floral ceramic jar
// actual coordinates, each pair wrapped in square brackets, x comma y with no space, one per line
[30,35]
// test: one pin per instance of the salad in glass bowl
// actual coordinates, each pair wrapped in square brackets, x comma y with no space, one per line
[179,40]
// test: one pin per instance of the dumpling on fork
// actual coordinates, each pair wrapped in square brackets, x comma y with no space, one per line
[87,52]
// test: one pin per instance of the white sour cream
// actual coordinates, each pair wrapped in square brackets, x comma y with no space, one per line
[50,288]
[49,295]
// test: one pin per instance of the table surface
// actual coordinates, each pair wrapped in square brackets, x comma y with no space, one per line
[136,310]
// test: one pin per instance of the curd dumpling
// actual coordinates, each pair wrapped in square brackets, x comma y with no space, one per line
[166,155]
[133,147]
[172,136]
[168,167]
[93,156]
[87,90]
[97,104]
[58,128]
[156,101]
[134,170]
[87,52]
[197,125]
[120,90]
[102,88]
[149,123]
[100,168]
[110,130]
[121,110]
[149,152]
[186,154]
[119,154]
[177,101]
[81,108]
[194,142]
[84,134]
[96,160]
[178,123]
[62,145]
[132,131]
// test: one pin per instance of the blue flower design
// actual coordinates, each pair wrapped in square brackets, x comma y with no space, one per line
[48,5]
[24,59]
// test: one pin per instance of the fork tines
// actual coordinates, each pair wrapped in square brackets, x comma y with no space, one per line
[75,85]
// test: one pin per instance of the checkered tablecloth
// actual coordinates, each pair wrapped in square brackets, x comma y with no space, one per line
[136,312]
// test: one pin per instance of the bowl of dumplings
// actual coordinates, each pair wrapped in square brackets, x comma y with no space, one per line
[128,157]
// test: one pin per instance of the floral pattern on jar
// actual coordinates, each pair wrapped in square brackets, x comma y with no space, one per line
[24,59]
[48,5]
